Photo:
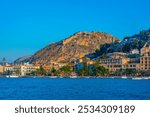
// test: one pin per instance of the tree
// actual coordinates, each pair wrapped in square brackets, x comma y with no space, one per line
[18,72]
[65,70]
[85,71]
[41,71]
[100,70]
[104,56]
[129,72]
[53,71]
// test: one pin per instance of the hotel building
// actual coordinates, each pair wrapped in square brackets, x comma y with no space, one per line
[24,69]
[145,57]
[1,69]
[118,60]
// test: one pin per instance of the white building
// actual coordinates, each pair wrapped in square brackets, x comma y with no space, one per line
[8,67]
[135,51]
[24,69]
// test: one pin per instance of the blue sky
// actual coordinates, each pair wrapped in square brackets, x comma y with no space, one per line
[28,25]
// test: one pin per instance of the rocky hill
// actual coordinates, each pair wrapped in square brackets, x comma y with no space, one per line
[72,48]
[22,59]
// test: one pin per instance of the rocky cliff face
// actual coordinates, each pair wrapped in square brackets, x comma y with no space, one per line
[72,48]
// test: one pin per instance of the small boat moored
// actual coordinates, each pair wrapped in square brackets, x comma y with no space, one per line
[12,76]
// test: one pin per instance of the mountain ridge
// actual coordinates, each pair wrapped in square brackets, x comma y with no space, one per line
[72,48]
[83,44]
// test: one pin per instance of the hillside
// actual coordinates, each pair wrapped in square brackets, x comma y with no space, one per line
[22,60]
[129,43]
[72,48]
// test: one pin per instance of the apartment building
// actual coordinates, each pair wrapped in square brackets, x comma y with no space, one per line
[24,69]
[1,69]
[145,57]
[8,68]
[134,66]
[82,61]
[117,61]
[114,61]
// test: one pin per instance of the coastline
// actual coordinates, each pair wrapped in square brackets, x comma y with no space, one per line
[82,77]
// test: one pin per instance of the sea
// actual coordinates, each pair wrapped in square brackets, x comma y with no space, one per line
[74,89]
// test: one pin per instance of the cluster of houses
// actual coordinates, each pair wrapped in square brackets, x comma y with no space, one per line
[138,60]
[18,69]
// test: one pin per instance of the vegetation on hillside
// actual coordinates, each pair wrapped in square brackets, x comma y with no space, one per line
[67,70]
[126,45]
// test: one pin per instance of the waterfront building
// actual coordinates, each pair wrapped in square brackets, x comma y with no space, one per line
[113,64]
[114,61]
[133,63]
[8,68]
[24,69]
[82,62]
[118,61]
[145,63]
[133,66]
[1,69]
[145,51]
[145,57]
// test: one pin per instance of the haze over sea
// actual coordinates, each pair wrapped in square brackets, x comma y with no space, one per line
[74,89]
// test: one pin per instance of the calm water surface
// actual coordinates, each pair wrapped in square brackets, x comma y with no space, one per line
[74,89]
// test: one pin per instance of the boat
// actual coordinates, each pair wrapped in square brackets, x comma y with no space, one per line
[146,78]
[12,76]
[73,76]
[137,78]
[52,77]
[124,77]
[141,78]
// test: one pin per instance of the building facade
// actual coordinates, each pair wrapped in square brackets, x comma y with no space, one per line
[1,69]
[119,61]
[24,69]
[80,64]
[8,68]
[145,57]
[115,61]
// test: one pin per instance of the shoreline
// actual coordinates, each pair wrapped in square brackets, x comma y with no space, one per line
[82,77]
